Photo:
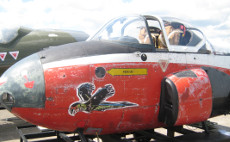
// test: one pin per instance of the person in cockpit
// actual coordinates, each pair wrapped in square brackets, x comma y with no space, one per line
[143,36]
[174,31]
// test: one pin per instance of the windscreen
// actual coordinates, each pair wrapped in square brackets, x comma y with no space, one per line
[7,34]
[125,29]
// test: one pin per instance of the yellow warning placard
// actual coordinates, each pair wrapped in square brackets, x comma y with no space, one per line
[128,71]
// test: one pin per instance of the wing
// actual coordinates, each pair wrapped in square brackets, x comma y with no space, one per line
[102,94]
[113,105]
[84,91]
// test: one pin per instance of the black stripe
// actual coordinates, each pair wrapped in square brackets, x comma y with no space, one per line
[90,48]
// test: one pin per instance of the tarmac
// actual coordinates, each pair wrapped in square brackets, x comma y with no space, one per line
[8,128]
[8,123]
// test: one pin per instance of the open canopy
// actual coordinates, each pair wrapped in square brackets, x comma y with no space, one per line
[165,33]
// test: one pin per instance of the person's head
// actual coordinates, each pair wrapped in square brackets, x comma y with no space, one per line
[143,31]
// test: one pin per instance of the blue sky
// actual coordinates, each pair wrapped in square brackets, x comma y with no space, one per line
[211,16]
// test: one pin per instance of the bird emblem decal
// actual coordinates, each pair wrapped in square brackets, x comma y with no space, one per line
[89,102]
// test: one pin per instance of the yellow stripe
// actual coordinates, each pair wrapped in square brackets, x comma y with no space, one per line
[128,71]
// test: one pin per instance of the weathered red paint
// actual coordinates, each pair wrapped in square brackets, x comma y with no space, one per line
[144,90]
[28,84]
[61,84]
[194,97]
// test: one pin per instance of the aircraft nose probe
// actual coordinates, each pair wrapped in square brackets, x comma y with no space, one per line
[22,85]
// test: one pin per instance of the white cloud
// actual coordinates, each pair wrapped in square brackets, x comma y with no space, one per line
[212,16]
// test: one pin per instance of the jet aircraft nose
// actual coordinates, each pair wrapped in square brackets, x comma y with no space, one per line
[22,85]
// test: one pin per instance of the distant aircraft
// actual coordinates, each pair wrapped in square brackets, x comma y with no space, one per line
[17,43]
[136,73]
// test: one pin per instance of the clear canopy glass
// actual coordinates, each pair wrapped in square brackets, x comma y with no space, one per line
[8,34]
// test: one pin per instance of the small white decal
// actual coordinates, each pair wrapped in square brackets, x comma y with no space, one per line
[163,64]
[3,55]
[14,54]
[52,35]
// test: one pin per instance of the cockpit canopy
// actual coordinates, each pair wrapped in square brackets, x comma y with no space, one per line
[126,29]
[165,33]
[8,34]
